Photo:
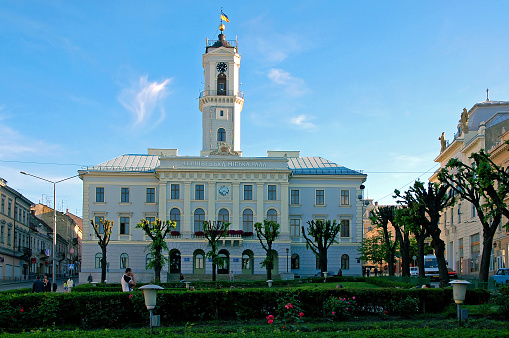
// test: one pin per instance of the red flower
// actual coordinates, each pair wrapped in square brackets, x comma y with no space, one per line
[301,314]
[22,310]
[130,296]
[333,313]
[270,317]
[270,321]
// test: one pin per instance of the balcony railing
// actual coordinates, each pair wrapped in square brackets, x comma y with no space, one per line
[221,93]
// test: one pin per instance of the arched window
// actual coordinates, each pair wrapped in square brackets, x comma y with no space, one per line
[98,257]
[124,261]
[247,220]
[225,255]
[272,215]
[295,262]
[223,216]
[345,262]
[199,262]
[221,84]
[175,217]
[199,218]
[148,259]
[221,135]
[174,261]
[247,262]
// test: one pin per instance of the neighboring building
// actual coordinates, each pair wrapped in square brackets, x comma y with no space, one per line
[41,243]
[14,234]
[479,128]
[220,185]
[68,246]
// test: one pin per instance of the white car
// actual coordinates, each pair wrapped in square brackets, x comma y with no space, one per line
[414,271]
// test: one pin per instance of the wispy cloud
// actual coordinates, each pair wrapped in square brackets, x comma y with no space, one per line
[302,121]
[144,100]
[292,86]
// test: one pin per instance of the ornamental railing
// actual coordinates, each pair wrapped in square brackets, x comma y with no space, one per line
[204,93]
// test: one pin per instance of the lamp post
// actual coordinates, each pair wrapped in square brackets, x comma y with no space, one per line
[54,215]
[150,294]
[459,289]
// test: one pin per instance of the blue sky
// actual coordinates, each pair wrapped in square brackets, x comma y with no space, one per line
[370,85]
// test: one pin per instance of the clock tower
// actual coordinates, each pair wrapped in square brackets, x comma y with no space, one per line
[221,101]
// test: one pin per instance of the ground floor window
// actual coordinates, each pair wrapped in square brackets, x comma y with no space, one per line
[345,262]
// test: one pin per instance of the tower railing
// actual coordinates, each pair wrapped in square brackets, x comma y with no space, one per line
[204,93]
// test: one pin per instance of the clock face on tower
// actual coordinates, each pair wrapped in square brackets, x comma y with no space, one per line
[223,190]
[221,67]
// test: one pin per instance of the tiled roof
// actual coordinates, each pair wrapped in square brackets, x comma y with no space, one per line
[318,166]
[129,162]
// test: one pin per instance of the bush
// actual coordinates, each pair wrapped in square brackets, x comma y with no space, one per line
[406,307]
[502,300]
[337,308]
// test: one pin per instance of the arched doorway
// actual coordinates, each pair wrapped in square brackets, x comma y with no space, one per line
[224,270]
[199,262]
[174,261]
[247,262]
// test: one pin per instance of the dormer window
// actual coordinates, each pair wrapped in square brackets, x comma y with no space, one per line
[221,135]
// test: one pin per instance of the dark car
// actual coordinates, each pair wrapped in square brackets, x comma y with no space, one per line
[452,274]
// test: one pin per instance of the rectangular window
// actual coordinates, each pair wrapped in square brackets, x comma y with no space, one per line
[16,213]
[9,205]
[294,196]
[199,192]
[272,193]
[150,219]
[3,204]
[124,225]
[124,195]
[459,213]
[99,195]
[151,195]
[320,197]
[175,191]
[475,249]
[473,211]
[97,221]
[8,237]
[2,234]
[345,197]
[345,228]
[460,244]
[295,227]
[248,192]
[198,261]
[452,216]
[98,258]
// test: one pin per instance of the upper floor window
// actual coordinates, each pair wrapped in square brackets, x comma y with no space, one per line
[199,218]
[124,195]
[272,215]
[124,225]
[345,197]
[221,135]
[248,192]
[175,217]
[199,192]
[151,195]
[295,227]
[99,194]
[294,196]
[345,228]
[320,197]
[175,191]
[271,196]
[9,206]
[247,220]
[99,224]
[223,216]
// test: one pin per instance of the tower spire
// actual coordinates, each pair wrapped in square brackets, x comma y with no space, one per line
[487,94]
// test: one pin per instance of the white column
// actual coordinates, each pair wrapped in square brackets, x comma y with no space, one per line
[234,219]
[162,201]
[260,212]
[187,208]
[285,227]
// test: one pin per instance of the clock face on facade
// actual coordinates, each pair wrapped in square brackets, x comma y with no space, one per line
[223,190]
[221,67]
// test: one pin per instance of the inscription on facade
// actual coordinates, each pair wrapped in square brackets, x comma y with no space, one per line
[224,164]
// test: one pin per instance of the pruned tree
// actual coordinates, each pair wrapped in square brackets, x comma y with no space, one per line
[373,248]
[322,235]
[486,186]
[267,233]
[103,232]
[381,218]
[402,230]
[157,232]
[213,231]
[432,200]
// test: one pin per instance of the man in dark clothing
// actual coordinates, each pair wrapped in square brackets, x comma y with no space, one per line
[38,285]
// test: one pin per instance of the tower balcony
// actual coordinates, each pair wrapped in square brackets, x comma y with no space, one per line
[221,93]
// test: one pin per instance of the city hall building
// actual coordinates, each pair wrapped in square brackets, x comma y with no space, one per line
[220,185]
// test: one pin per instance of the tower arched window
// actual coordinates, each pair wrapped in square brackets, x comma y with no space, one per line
[221,135]
[221,84]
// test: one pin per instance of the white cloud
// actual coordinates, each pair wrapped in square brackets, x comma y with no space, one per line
[303,121]
[144,100]
[292,86]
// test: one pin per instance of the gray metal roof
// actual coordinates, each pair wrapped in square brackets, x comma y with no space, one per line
[318,166]
[298,165]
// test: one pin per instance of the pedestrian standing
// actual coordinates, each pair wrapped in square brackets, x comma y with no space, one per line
[38,285]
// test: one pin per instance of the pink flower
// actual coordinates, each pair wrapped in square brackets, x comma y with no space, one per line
[353,297]
[22,310]
[270,317]
[289,306]
[347,309]
[130,296]
[301,314]
[385,312]
[270,321]
[333,313]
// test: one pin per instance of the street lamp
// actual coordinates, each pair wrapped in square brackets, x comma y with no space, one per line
[54,215]
[150,294]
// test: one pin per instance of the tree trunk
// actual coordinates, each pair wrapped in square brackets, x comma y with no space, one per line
[420,254]
[405,256]
[487,245]
[103,264]
[157,266]
[439,247]
[213,271]
[323,260]
[271,262]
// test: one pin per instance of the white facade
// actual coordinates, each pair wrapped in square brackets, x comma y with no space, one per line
[220,184]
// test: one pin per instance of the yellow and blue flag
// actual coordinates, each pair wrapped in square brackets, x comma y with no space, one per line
[224,17]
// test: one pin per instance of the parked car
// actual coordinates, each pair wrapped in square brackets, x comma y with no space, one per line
[452,274]
[329,274]
[414,271]
[501,276]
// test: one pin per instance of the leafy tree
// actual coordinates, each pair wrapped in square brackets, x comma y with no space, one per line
[373,248]
[157,232]
[103,232]
[269,230]
[381,218]
[213,231]
[485,185]
[323,234]
[431,201]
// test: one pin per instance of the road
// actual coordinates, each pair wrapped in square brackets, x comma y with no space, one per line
[22,285]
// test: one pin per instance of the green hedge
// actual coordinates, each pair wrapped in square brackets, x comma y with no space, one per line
[117,309]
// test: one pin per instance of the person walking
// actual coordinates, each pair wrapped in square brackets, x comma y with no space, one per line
[232,276]
[38,285]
